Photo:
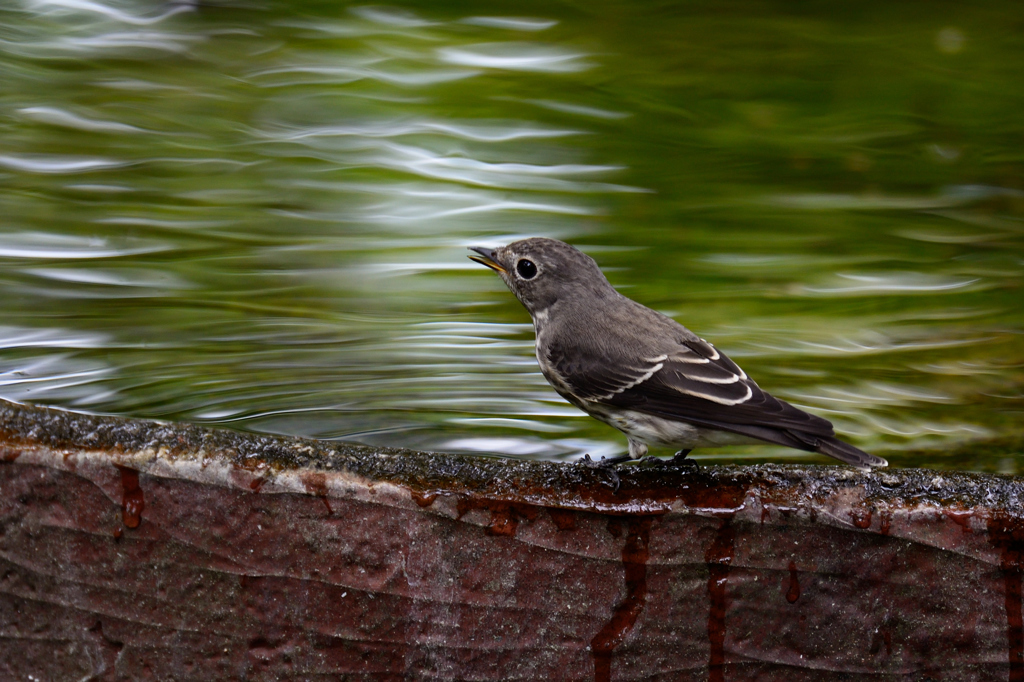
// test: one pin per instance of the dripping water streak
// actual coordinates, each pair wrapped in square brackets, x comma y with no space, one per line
[718,557]
[635,553]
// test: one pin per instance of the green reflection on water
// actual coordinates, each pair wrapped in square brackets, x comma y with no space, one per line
[257,215]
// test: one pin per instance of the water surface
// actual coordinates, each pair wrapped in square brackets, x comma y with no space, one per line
[255,214]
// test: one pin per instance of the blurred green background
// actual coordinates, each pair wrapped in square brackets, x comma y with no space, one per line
[255,214]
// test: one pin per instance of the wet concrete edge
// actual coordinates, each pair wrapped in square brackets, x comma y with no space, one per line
[151,446]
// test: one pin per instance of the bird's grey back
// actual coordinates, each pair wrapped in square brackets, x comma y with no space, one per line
[612,323]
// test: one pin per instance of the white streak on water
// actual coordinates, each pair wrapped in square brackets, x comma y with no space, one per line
[506,422]
[61,246]
[66,119]
[531,447]
[390,16]
[100,189]
[871,395]
[96,8]
[511,56]
[895,283]
[143,40]
[51,163]
[133,84]
[407,213]
[511,23]
[414,203]
[54,377]
[350,74]
[938,235]
[376,129]
[861,346]
[568,108]
[915,429]
[966,368]
[955,195]
[355,29]
[127,277]
[163,224]
[427,158]
[427,163]
[54,337]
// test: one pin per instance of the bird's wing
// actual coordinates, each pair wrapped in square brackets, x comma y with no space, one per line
[691,381]
[594,376]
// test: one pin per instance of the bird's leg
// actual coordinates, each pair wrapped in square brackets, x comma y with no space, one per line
[637,450]
[605,461]
[681,459]
[608,465]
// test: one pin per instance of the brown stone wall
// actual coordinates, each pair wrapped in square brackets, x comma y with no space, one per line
[135,551]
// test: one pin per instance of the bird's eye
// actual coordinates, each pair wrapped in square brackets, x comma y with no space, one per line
[526,269]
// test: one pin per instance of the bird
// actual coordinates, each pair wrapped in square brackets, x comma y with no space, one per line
[642,372]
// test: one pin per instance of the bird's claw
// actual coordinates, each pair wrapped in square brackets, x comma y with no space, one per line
[607,465]
[679,461]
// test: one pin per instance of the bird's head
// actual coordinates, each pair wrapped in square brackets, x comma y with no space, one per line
[541,271]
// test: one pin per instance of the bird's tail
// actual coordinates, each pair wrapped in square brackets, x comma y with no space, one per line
[819,437]
[833,447]
[802,440]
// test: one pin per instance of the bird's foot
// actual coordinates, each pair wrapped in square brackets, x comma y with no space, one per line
[604,461]
[680,459]
[608,465]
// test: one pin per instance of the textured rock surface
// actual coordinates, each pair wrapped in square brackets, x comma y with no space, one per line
[138,550]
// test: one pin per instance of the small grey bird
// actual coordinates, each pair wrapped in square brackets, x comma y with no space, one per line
[642,372]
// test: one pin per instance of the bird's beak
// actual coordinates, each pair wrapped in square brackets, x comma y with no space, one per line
[486,257]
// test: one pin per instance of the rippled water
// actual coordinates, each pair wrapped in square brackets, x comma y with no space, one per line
[256,214]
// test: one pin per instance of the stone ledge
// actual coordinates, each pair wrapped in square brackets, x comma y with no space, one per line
[134,549]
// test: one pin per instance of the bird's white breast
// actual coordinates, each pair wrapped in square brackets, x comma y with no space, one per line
[663,432]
